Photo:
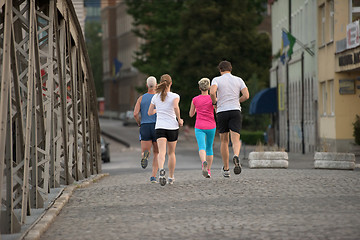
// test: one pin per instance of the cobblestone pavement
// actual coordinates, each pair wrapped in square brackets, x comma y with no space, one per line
[257,204]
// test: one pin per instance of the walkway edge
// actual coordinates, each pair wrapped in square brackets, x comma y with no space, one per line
[119,140]
[46,219]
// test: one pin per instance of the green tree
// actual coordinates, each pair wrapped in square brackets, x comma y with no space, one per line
[187,39]
[157,23]
[215,30]
[94,47]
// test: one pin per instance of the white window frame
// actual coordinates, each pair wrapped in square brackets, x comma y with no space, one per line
[331,20]
[331,97]
[324,98]
[305,26]
[352,10]
[323,20]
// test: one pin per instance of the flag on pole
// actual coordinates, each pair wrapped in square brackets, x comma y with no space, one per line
[285,39]
[292,41]
[288,40]
[117,67]
[287,45]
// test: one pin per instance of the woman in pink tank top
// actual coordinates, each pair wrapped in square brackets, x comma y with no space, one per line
[205,125]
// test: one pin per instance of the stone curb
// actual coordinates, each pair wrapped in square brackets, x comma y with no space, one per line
[45,220]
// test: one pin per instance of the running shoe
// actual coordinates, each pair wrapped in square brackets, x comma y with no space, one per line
[226,173]
[153,179]
[162,179]
[204,170]
[144,160]
[171,180]
[237,168]
[209,174]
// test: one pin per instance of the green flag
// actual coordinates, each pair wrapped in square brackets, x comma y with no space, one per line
[292,41]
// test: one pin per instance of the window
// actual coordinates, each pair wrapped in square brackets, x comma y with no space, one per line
[332,97]
[322,26]
[313,15]
[331,19]
[301,25]
[105,29]
[305,25]
[355,10]
[324,97]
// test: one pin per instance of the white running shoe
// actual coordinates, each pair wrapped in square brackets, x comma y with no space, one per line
[171,180]
[226,173]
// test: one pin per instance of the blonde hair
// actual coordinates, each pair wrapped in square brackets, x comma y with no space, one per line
[204,84]
[151,82]
[165,82]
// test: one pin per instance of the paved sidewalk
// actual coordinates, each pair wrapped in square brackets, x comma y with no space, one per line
[258,204]
[295,203]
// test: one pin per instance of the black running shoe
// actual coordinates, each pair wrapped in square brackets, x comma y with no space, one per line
[144,160]
[237,168]
[162,179]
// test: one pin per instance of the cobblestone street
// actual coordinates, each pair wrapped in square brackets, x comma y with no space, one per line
[258,204]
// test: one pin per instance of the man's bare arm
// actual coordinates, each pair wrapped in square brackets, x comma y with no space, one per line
[213,90]
[245,95]
[137,111]
[151,110]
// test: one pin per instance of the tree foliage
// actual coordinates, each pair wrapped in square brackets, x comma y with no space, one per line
[157,23]
[187,39]
[94,47]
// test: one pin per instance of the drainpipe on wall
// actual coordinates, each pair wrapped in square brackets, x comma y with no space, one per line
[277,132]
[302,103]
[287,88]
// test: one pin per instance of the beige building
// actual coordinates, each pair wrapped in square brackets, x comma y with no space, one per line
[119,46]
[338,72]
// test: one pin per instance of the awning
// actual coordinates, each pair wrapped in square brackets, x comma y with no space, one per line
[264,101]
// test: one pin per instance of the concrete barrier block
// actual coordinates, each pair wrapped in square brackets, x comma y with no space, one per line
[334,156]
[268,160]
[268,156]
[265,163]
[342,165]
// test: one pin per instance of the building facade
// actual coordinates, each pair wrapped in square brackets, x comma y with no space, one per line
[129,77]
[295,75]
[93,10]
[120,77]
[338,72]
[80,13]
[109,50]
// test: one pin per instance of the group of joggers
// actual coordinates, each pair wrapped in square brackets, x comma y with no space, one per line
[157,113]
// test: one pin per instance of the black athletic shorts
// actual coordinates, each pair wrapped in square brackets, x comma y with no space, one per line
[170,135]
[229,120]
[147,132]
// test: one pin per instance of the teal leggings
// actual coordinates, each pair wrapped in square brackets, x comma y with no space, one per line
[205,139]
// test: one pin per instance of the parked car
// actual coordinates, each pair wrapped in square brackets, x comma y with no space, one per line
[105,152]
[129,119]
